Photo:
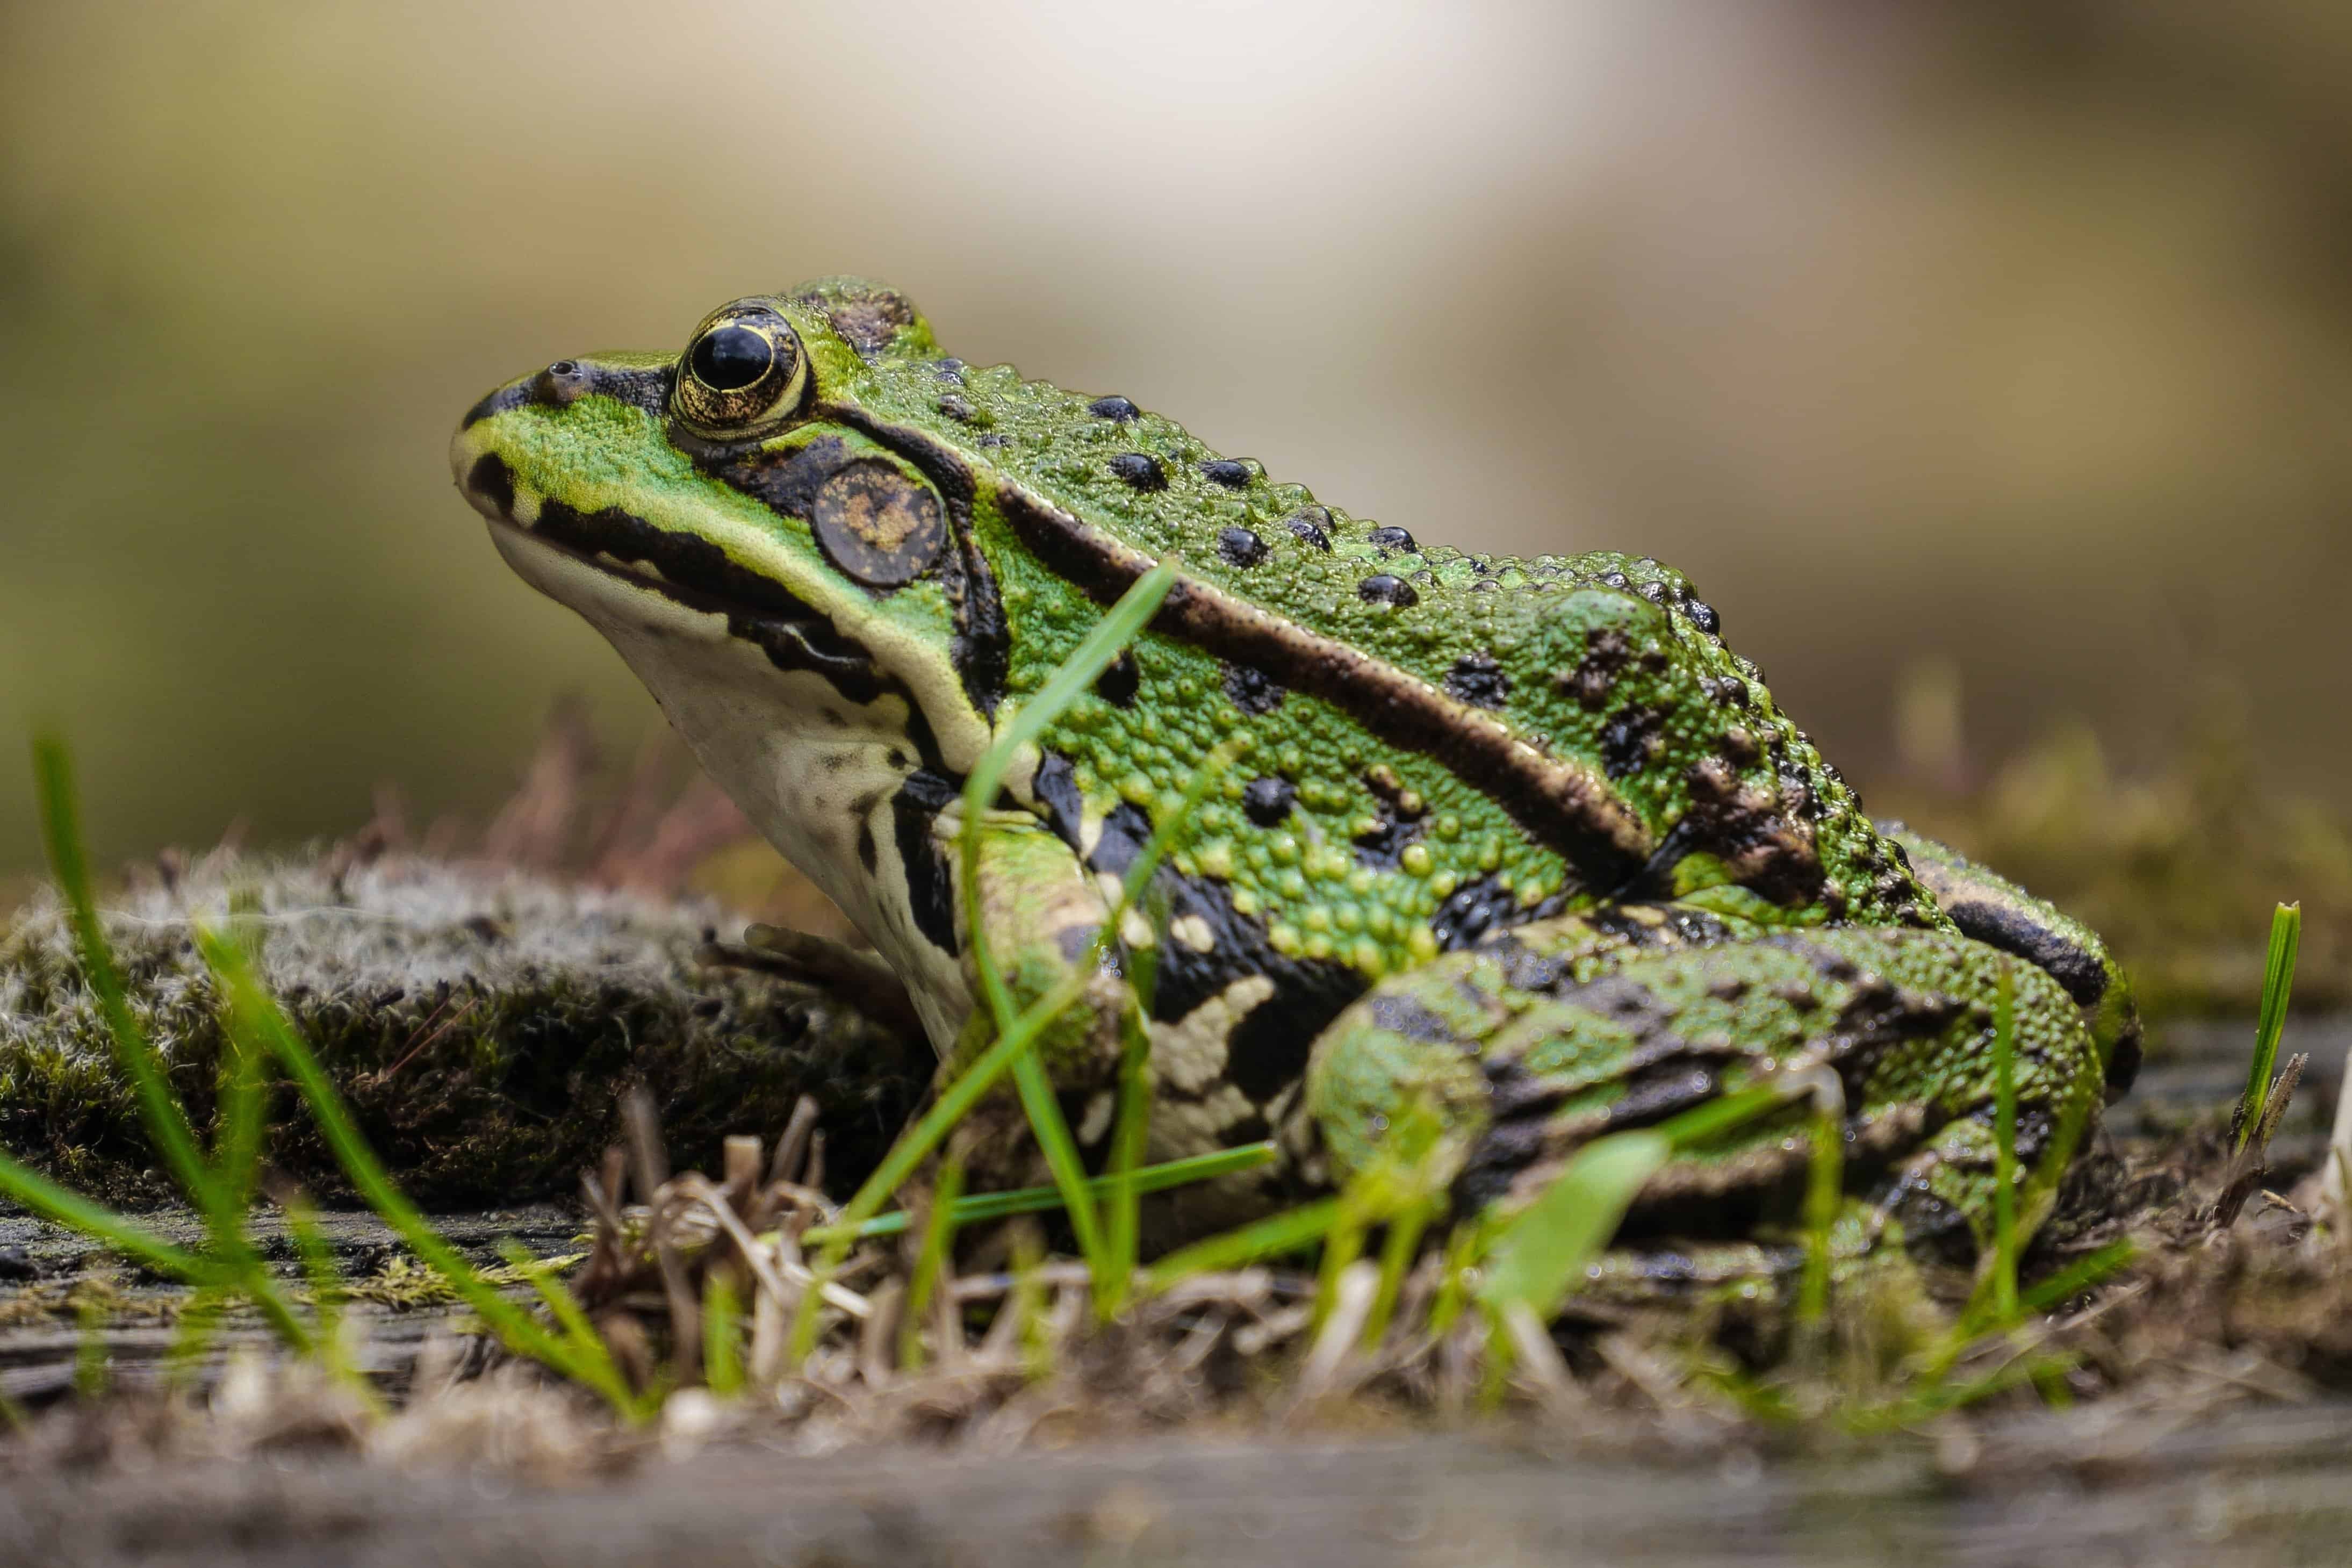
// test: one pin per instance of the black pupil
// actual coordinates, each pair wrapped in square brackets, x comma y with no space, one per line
[729,358]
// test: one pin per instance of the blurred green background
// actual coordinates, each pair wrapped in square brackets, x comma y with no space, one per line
[2012,339]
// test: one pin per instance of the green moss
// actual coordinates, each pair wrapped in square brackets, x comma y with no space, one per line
[481,1022]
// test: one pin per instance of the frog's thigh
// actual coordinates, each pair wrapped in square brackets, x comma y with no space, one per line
[1422,1035]
[1523,1078]
[1995,911]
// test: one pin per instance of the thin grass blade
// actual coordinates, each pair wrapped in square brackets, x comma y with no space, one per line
[1295,1230]
[2278,985]
[159,1108]
[504,1317]
[1542,1251]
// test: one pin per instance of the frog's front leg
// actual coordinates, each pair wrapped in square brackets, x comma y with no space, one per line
[1040,911]
[1527,1056]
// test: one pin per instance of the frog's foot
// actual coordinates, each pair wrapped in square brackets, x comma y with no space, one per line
[859,979]
[1996,912]
[1525,1054]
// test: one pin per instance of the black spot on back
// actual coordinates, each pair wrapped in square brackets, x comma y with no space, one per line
[1477,908]
[1476,679]
[1117,409]
[1139,470]
[1226,472]
[1251,691]
[1382,588]
[1267,801]
[1606,654]
[1392,538]
[1312,526]
[1240,547]
[1383,848]
[1121,679]
[1629,740]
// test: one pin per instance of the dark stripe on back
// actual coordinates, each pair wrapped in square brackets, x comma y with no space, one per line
[1560,803]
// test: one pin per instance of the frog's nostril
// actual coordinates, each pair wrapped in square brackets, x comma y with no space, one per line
[560,385]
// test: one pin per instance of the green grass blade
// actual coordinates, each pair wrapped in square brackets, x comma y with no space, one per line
[1123,1208]
[1541,1251]
[218,1198]
[1825,1184]
[1015,1035]
[43,1197]
[2079,1276]
[516,1328]
[244,1097]
[939,1245]
[570,1321]
[1398,1249]
[1052,1132]
[980,1206]
[1294,1230]
[93,1362]
[722,1353]
[1703,1124]
[2004,1189]
[327,1297]
[1072,681]
[1464,1248]
[1075,677]
[2278,983]
[159,1109]
[192,1337]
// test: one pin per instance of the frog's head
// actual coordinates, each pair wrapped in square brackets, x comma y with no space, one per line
[791,574]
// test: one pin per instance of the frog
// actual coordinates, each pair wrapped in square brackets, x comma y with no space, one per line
[1516,849]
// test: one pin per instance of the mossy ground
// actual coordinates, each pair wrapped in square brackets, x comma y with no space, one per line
[480,1020]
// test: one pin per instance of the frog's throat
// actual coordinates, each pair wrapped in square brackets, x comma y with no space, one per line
[849,797]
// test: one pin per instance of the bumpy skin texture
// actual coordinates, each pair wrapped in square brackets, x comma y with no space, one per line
[840,558]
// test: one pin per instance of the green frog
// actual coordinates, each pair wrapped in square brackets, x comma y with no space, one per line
[1518,843]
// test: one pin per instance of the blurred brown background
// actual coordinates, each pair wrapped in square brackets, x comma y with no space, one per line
[2009,339]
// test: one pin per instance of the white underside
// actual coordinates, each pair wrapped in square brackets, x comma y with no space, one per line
[807,765]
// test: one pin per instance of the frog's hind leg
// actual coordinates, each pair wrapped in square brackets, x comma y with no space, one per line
[1526,1059]
[1996,912]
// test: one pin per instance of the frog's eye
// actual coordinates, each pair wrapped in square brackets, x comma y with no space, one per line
[743,368]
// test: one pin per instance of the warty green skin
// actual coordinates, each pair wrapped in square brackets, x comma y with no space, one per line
[841,580]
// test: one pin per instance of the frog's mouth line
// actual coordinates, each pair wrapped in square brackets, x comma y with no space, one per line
[690,572]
